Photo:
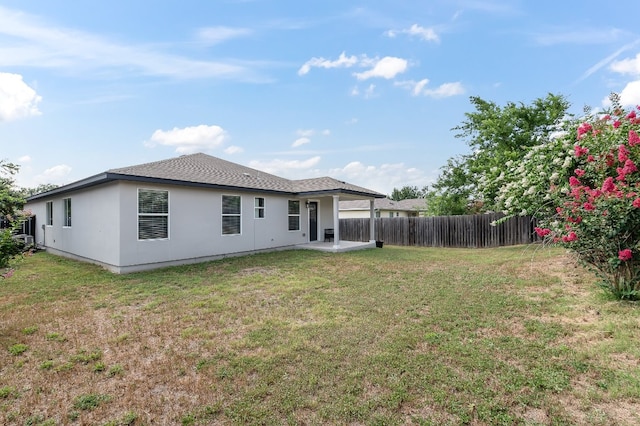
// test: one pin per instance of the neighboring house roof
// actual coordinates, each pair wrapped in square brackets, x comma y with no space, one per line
[414,204]
[208,171]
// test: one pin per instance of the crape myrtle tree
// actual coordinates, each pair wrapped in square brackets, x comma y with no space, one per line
[584,187]
[496,136]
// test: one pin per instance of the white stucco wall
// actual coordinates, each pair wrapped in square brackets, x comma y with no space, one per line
[195,226]
[95,224]
[105,226]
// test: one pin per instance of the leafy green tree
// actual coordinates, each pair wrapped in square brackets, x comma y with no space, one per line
[44,187]
[10,198]
[496,136]
[408,192]
[11,202]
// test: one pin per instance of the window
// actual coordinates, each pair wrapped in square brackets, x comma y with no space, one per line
[49,213]
[294,215]
[67,212]
[153,214]
[390,214]
[259,208]
[231,215]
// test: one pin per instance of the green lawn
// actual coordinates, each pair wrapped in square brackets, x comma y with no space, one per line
[386,336]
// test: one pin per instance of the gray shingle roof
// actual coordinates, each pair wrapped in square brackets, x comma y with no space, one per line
[206,170]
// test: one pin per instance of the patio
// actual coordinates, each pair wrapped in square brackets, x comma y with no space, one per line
[343,246]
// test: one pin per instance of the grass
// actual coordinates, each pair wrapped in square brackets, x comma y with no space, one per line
[394,336]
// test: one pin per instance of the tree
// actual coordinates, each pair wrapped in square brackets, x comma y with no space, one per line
[585,189]
[408,193]
[10,204]
[43,187]
[496,135]
[10,199]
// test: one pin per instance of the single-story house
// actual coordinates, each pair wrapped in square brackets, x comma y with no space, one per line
[188,209]
[383,207]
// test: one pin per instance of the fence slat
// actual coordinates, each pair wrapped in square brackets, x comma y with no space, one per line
[474,231]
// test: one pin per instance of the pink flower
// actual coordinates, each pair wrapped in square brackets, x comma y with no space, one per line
[634,138]
[542,232]
[579,151]
[571,237]
[583,129]
[590,159]
[616,124]
[588,206]
[629,167]
[636,203]
[573,181]
[631,115]
[625,255]
[579,172]
[608,185]
[623,153]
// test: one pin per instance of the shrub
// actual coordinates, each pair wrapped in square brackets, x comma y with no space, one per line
[585,186]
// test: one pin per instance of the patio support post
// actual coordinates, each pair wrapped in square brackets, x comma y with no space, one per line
[336,222]
[372,222]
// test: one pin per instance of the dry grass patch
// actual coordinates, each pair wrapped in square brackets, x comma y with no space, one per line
[391,336]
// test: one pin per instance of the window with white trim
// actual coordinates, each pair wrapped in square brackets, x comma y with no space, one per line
[153,214]
[294,215]
[259,207]
[49,213]
[231,215]
[67,212]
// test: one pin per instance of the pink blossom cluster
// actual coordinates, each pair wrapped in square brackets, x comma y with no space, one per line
[602,179]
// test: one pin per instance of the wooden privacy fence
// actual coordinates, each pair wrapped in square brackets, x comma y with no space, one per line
[443,231]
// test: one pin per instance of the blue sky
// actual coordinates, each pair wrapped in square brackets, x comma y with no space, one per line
[366,92]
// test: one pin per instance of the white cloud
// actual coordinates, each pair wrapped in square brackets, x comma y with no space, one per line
[387,67]
[24,159]
[326,132]
[29,41]
[285,167]
[233,150]
[54,175]
[189,139]
[370,91]
[17,99]
[426,34]
[420,88]
[300,141]
[216,35]
[382,178]
[305,133]
[343,61]
[627,66]
[630,95]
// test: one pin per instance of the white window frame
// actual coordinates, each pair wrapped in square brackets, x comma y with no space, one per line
[292,215]
[49,218]
[229,215]
[66,212]
[152,214]
[259,210]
